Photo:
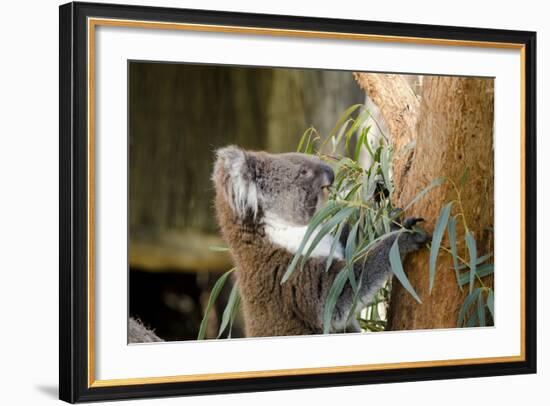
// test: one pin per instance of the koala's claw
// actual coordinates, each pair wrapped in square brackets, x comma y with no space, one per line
[415,240]
[411,221]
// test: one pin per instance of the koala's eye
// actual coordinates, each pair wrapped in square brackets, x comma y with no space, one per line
[305,172]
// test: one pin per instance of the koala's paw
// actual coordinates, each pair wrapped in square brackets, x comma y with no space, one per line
[414,239]
[411,221]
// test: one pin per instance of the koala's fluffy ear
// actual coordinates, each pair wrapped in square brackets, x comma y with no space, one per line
[234,174]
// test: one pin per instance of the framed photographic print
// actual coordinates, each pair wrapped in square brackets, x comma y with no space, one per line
[256,202]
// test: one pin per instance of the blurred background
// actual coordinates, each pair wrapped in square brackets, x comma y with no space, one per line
[178,115]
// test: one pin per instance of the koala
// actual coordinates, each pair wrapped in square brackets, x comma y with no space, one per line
[138,333]
[263,205]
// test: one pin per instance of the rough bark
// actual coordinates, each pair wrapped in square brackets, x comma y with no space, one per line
[451,130]
[393,93]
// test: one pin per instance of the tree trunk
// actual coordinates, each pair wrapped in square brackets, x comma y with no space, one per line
[445,132]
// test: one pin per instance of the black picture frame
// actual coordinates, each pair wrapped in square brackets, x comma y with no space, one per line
[73,256]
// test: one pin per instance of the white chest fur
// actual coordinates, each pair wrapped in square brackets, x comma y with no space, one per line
[290,237]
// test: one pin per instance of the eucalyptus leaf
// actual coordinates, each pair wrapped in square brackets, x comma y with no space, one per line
[364,250]
[338,218]
[218,286]
[371,182]
[338,137]
[466,306]
[464,177]
[479,261]
[343,118]
[434,183]
[330,208]
[218,248]
[386,221]
[481,309]
[335,244]
[227,312]
[361,118]
[473,320]
[302,139]
[332,299]
[234,312]
[439,230]
[397,268]
[306,138]
[482,271]
[350,248]
[385,158]
[491,303]
[352,192]
[471,244]
[355,300]
[451,229]
[358,146]
[368,146]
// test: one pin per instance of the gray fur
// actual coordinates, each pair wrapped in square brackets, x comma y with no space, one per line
[289,188]
[138,333]
[375,271]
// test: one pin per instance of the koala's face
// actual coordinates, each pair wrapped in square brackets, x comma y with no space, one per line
[292,186]
[288,187]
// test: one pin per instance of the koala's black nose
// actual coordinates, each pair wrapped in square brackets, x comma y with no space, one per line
[328,172]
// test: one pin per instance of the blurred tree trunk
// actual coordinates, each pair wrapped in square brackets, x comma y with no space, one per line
[445,131]
[179,115]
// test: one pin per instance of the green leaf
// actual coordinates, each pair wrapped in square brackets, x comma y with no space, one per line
[308,137]
[338,137]
[466,306]
[358,146]
[397,268]
[343,118]
[335,244]
[234,312]
[305,135]
[439,229]
[315,221]
[233,301]
[218,248]
[452,241]
[338,218]
[370,188]
[481,309]
[471,244]
[359,121]
[435,182]
[368,146]
[350,248]
[351,193]
[378,150]
[218,286]
[368,225]
[386,221]
[372,243]
[482,271]
[332,298]
[473,320]
[311,144]
[491,303]
[355,300]
[479,261]
[342,163]
[464,177]
[385,158]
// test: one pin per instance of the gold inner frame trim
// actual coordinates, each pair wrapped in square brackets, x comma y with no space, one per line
[94,22]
